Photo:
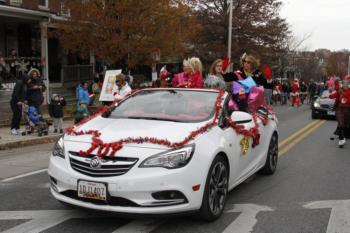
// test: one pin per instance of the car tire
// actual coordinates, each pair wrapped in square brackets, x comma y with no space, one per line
[313,115]
[216,190]
[272,157]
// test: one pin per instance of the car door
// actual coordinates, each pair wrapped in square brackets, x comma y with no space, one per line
[239,161]
[246,156]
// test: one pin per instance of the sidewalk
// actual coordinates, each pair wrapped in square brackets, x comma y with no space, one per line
[8,141]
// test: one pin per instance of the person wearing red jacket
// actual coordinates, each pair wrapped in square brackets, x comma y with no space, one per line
[295,93]
[342,106]
[191,77]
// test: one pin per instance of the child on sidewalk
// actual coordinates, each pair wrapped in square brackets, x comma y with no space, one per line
[56,112]
[38,121]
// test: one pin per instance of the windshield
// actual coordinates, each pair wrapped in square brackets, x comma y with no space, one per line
[168,105]
[325,94]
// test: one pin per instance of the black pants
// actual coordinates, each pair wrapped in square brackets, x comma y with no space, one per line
[17,115]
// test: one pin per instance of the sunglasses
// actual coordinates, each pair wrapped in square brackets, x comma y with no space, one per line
[248,62]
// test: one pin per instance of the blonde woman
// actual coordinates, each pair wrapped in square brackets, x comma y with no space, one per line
[191,77]
[244,79]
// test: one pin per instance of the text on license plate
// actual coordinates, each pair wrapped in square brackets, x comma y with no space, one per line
[332,113]
[92,190]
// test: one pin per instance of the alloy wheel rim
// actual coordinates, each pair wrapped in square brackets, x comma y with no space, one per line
[218,188]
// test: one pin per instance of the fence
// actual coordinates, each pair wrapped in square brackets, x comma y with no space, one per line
[11,68]
[74,74]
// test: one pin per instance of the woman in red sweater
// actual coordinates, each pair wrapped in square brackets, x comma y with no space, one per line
[342,106]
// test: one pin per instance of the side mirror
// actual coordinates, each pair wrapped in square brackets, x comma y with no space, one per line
[241,117]
[108,112]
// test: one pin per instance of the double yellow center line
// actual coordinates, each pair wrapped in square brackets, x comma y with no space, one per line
[295,138]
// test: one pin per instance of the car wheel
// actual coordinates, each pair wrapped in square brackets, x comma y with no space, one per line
[216,189]
[272,157]
[313,115]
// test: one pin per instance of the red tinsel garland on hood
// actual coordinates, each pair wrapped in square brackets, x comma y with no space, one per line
[110,149]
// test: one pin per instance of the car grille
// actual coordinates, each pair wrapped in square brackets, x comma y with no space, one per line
[326,106]
[110,166]
[113,201]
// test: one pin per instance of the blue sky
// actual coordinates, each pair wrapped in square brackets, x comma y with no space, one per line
[328,22]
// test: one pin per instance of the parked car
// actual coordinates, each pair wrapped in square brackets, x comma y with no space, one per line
[150,178]
[322,106]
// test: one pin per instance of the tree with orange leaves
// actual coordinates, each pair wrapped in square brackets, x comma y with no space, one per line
[126,31]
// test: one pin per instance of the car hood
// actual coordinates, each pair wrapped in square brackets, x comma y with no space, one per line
[327,101]
[115,129]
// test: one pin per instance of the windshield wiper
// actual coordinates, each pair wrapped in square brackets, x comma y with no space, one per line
[152,118]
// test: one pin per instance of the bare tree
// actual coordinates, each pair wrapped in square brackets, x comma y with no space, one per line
[257,28]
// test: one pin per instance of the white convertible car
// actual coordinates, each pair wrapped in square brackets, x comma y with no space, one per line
[162,151]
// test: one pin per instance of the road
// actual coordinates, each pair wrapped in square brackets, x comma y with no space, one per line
[309,193]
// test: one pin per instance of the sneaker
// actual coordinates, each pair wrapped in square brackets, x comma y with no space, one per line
[341,143]
[14,132]
[55,131]
[19,132]
[61,130]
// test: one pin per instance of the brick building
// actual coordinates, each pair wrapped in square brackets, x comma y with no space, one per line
[24,42]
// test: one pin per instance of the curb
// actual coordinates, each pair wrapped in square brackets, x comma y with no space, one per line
[29,142]
[5,123]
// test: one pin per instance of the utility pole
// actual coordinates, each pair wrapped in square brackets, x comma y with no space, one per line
[230,34]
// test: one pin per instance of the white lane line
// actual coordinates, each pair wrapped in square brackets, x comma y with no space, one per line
[23,175]
[40,222]
[139,226]
[246,221]
[339,221]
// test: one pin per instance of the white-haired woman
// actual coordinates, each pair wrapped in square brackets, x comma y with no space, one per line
[191,77]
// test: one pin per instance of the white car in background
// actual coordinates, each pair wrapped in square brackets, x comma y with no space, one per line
[151,178]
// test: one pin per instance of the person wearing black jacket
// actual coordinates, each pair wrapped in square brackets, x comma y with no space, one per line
[249,69]
[16,102]
[35,90]
[56,112]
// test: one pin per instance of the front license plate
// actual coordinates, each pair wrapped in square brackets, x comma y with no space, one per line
[331,113]
[92,190]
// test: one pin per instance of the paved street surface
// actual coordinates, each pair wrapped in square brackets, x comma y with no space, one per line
[309,193]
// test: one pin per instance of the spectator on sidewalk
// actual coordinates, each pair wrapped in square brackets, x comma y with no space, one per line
[83,100]
[56,112]
[16,102]
[2,69]
[36,88]
[95,91]
[285,92]
[312,90]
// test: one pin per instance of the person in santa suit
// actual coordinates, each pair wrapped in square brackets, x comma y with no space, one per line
[342,108]
[164,75]
[295,93]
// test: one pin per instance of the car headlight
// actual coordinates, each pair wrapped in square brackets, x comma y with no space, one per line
[317,104]
[170,159]
[58,149]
